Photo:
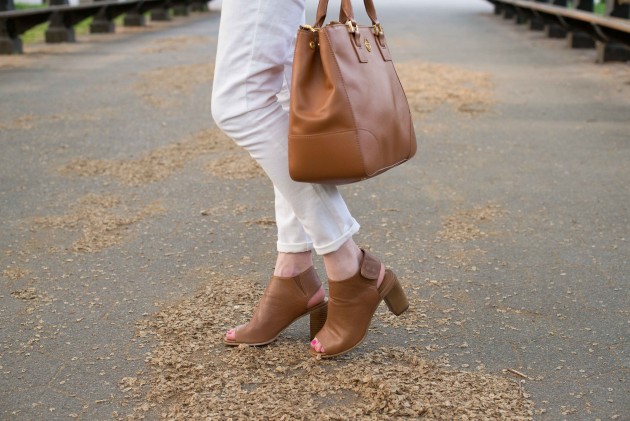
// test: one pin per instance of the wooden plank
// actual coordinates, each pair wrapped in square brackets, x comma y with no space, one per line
[605,21]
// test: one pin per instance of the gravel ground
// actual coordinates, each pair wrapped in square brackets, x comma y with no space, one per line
[134,234]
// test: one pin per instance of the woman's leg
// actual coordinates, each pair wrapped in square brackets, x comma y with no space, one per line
[255,44]
[250,103]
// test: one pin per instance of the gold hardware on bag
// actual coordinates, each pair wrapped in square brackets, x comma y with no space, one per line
[312,44]
[378,29]
[309,27]
[368,45]
[352,27]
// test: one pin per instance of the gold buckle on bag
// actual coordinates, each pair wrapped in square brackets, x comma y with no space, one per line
[352,27]
[378,29]
[310,28]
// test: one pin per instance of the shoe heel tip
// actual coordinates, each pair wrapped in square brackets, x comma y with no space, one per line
[396,300]
[400,312]
[397,308]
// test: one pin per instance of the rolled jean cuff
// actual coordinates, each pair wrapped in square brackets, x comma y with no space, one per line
[336,244]
[294,248]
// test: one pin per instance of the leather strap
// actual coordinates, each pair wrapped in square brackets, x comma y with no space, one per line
[346,12]
[369,8]
[371,266]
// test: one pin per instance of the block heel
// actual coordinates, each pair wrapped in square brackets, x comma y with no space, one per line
[396,299]
[318,318]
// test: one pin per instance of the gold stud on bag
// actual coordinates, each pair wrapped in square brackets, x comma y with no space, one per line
[349,118]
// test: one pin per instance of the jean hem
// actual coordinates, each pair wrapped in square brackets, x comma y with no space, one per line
[336,244]
[294,248]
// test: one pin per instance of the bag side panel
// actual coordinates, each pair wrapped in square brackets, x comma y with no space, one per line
[379,104]
[326,158]
[318,100]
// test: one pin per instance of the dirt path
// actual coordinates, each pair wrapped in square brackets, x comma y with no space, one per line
[134,234]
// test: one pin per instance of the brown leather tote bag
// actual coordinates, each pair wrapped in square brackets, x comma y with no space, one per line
[349,118]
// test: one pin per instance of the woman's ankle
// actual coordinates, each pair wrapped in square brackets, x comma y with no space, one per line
[292,264]
[344,262]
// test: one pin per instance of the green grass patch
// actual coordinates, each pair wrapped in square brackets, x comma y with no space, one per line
[600,8]
[38,33]
[34,34]
[26,6]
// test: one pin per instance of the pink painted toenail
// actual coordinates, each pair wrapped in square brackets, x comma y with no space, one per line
[314,342]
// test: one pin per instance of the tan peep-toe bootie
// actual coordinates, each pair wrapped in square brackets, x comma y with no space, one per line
[284,301]
[352,304]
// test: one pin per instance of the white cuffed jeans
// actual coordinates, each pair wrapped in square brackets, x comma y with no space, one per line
[250,100]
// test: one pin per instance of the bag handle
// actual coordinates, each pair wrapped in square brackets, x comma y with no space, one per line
[346,13]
